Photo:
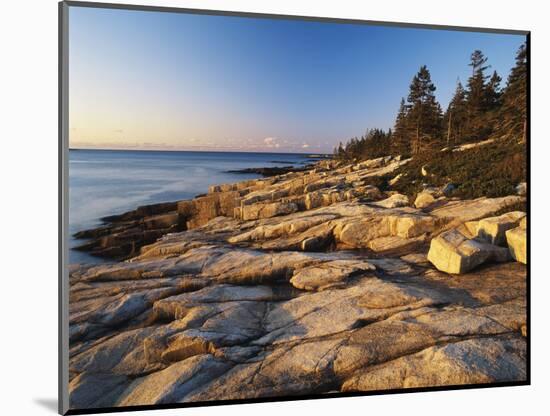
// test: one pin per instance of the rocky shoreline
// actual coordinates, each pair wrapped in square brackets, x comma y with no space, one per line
[307,282]
[272,171]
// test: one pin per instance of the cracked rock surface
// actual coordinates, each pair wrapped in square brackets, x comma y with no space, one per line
[326,285]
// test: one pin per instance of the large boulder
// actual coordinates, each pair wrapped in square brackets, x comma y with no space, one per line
[493,229]
[423,200]
[453,252]
[517,242]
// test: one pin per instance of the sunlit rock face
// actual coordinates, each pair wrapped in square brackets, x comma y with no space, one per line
[304,283]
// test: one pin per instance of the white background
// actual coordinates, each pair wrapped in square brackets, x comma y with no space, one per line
[28,217]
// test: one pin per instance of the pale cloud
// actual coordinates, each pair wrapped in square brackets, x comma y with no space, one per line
[249,144]
[272,142]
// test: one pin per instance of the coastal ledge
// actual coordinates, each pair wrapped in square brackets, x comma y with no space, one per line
[302,283]
[272,171]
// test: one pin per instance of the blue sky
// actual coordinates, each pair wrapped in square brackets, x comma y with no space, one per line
[174,81]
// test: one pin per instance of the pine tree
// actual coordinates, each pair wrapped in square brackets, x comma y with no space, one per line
[476,95]
[513,114]
[456,116]
[339,151]
[492,92]
[374,143]
[424,115]
[475,112]
[400,138]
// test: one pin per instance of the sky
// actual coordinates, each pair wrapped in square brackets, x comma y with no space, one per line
[171,81]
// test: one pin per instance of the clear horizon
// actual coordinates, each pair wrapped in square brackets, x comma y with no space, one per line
[198,151]
[168,81]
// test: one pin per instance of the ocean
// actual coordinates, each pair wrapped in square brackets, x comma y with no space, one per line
[107,182]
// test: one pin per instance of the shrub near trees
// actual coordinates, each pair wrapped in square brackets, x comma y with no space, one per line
[478,111]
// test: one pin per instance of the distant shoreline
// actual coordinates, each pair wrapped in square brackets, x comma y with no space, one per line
[306,154]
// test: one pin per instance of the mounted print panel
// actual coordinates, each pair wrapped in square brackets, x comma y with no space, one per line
[262,208]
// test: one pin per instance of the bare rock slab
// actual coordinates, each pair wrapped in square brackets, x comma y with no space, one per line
[330,274]
[394,201]
[472,361]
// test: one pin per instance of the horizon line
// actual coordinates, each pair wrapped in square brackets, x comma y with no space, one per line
[312,154]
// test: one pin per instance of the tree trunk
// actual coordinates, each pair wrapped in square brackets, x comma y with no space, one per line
[449,128]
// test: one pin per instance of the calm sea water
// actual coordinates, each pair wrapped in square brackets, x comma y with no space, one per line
[107,182]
